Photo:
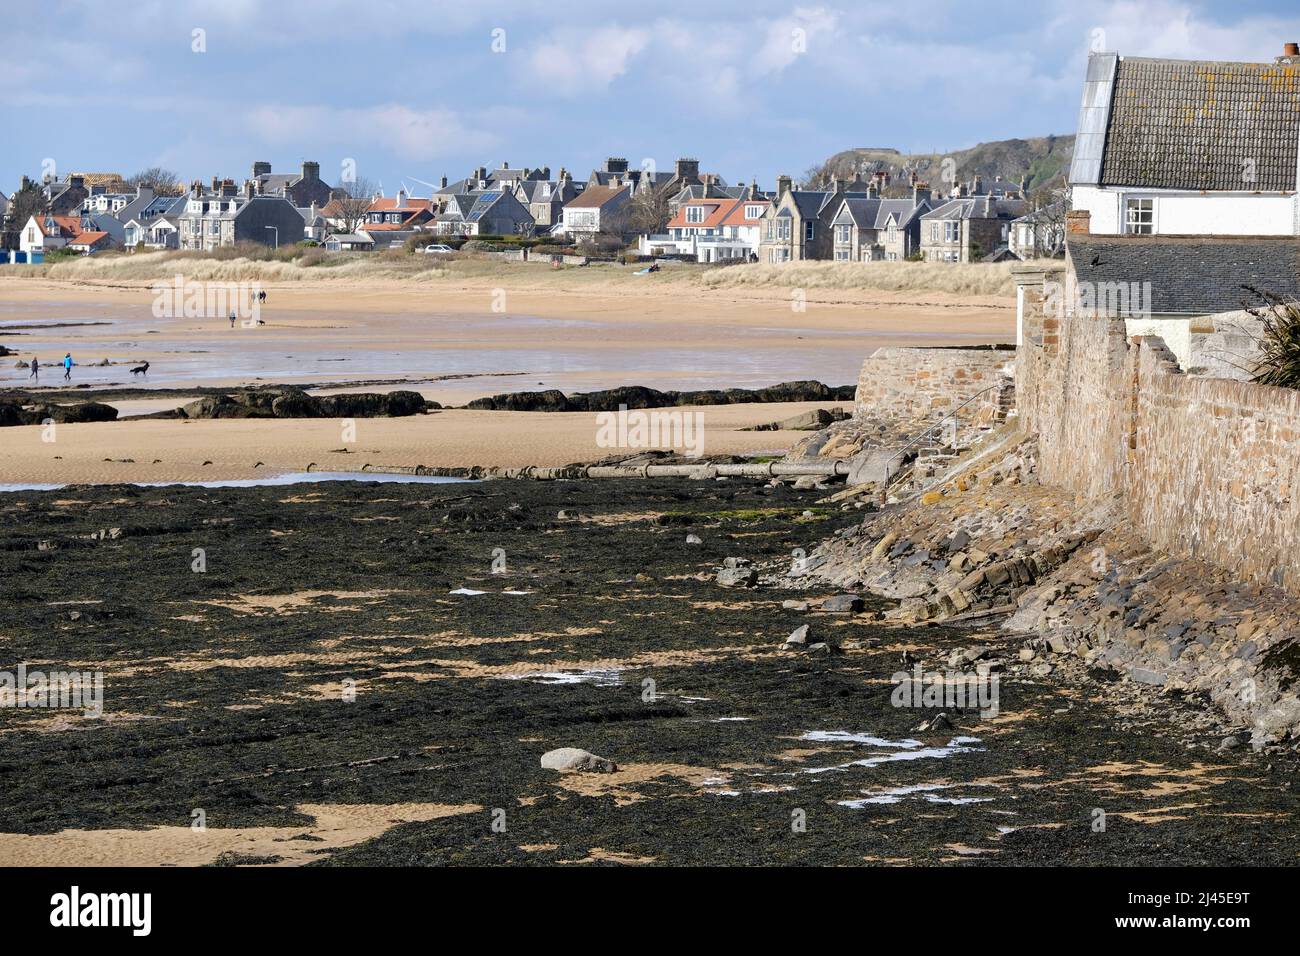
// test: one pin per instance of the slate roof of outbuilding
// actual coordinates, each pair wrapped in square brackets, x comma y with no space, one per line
[1200,124]
[1195,275]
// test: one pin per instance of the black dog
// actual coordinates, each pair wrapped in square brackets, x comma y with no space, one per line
[141,370]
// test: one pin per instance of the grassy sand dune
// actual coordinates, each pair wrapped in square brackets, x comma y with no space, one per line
[297,265]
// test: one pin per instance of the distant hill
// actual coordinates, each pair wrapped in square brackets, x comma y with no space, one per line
[1044,159]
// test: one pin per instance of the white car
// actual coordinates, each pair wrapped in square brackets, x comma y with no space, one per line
[438,249]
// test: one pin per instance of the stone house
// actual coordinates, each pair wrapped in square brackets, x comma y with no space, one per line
[64,197]
[969,229]
[1039,233]
[799,223]
[870,228]
[302,188]
[223,216]
[545,198]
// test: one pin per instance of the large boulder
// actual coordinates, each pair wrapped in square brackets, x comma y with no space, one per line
[551,400]
[11,413]
[570,759]
[371,405]
[223,406]
[293,403]
[72,414]
[627,396]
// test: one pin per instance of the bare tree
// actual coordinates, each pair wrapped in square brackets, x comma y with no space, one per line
[648,211]
[1049,204]
[162,181]
[351,203]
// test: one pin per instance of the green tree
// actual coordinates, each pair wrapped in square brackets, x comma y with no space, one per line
[26,202]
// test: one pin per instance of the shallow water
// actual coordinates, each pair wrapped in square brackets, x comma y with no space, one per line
[508,352]
[288,478]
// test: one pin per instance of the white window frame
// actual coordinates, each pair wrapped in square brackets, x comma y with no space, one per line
[1127,208]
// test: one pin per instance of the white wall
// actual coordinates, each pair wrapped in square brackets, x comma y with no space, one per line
[1223,214]
[1177,334]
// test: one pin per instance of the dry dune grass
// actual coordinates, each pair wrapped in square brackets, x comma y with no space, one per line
[314,264]
[956,278]
[164,266]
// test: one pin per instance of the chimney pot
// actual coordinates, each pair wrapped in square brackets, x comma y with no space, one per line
[1291,49]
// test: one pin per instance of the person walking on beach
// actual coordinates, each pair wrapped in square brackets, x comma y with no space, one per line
[67,367]
[36,370]
[232,318]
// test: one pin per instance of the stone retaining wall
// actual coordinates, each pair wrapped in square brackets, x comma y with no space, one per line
[912,384]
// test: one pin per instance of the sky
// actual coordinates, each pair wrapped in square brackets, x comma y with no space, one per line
[409,90]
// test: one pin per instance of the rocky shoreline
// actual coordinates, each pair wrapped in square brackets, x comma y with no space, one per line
[994,545]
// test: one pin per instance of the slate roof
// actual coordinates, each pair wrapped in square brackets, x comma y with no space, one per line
[1193,124]
[979,207]
[1196,275]
[875,213]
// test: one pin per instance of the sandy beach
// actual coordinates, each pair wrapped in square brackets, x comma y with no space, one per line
[453,339]
[180,450]
[458,339]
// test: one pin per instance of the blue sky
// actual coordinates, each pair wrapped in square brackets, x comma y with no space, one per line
[414,89]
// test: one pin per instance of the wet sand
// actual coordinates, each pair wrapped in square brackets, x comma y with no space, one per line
[181,450]
[585,336]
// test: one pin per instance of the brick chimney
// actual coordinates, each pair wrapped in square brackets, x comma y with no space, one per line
[920,191]
[1290,55]
[687,169]
[1078,222]
[261,168]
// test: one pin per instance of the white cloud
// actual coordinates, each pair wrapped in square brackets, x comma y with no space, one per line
[578,60]
[413,134]
[788,38]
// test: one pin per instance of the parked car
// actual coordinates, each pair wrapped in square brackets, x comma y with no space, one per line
[438,249]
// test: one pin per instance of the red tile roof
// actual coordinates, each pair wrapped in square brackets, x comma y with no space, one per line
[714,211]
[389,204]
[86,238]
[594,197]
[737,215]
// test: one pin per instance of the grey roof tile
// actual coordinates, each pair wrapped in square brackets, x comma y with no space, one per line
[1196,275]
[1198,124]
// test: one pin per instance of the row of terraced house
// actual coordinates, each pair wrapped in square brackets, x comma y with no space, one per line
[679,212]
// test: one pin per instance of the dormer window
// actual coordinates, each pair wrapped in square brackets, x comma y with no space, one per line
[694,214]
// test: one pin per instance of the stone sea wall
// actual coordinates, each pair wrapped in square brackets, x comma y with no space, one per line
[1206,469]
